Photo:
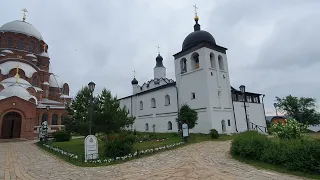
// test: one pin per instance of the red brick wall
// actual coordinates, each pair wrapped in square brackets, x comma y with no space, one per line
[26,109]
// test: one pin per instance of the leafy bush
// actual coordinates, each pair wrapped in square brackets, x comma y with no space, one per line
[292,129]
[249,144]
[273,153]
[118,145]
[302,155]
[294,154]
[60,136]
[214,134]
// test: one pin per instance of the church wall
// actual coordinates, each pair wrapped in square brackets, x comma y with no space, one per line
[159,72]
[26,109]
[204,124]
[255,114]
[194,82]
[219,92]
[160,121]
[160,115]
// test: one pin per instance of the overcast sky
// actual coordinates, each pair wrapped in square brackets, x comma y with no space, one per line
[273,46]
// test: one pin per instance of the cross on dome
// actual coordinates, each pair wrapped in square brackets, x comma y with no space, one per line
[158,47]
[196,18]
[24,13]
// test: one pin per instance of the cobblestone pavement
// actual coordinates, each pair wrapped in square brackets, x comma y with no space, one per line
[207,160]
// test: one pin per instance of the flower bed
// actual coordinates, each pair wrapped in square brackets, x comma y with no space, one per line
[140,139]
[80,158]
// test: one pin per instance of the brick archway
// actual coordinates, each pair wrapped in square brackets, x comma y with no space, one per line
[11,125]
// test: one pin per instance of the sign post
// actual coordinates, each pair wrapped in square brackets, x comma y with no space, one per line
[185,132]
[91,148]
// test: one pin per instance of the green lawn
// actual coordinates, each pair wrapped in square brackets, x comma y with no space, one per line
[77,145]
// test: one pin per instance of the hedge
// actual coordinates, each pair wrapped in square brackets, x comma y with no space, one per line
[296,154]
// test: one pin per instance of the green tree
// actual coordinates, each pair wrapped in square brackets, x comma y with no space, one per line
[79,109]
[108,115]
[302,109]
[187,115]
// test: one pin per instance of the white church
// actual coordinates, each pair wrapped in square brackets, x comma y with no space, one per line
[202,82]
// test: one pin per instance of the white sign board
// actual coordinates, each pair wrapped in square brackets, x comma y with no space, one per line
[185,130]
[91,147]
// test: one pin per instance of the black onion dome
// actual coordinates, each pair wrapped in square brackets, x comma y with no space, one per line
[159,60]
[134,81]
[197,37]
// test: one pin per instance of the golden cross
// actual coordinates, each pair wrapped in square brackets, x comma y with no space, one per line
[24,13]
[17,73]
[158,49]
[195,8]
[44,47]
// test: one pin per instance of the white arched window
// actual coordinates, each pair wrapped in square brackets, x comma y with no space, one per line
[169,125]
[212,61]
[223,125]
[220,60]
[195,64]
[153,103]
[141,105]
[147,127]
[167,100]
[183,65]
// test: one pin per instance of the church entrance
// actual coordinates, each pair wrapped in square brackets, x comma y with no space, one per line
[11,125]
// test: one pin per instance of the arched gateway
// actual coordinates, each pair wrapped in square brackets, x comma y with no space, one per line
[11,125]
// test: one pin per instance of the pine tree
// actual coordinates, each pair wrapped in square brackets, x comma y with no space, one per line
[111,117]
[79,111]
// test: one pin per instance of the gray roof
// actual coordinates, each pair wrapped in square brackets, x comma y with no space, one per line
[21,27]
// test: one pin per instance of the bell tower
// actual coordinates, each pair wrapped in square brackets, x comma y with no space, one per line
[159,70]
[202,78]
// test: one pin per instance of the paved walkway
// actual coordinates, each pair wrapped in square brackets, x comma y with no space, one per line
[207,160]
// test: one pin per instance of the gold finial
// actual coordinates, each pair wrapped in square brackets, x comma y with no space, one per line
[44,47]
[24,13]
[158,49]
[17,74]
[196,18]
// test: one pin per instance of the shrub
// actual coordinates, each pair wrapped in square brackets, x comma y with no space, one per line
[292,129]
[214,134]
[273,153]
[294,154]
[60,136]
[302,155]
[118,145]
[249,144]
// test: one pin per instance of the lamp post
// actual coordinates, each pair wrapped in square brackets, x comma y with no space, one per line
[243,91]
[275,107]
[91,86]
